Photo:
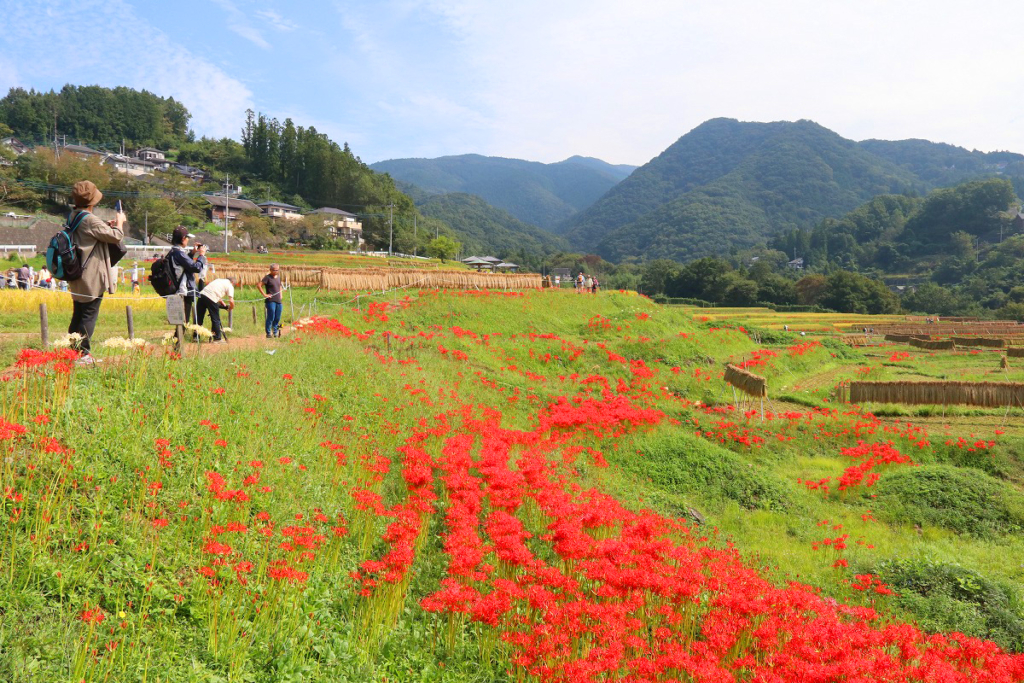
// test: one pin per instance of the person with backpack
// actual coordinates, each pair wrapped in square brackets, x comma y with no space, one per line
[184,269]
[91,237]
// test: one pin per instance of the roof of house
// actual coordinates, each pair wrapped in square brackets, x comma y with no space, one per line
[336,212]
[240,204]
[149,149]
[280,205]
[82,149]
[797,261]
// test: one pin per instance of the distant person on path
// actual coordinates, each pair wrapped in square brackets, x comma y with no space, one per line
[211,300]
[270,287]
[43,278]
[588,284]
[185,269]
[24,277]
[92,237]
[579,283]
[136,276]
[593,289]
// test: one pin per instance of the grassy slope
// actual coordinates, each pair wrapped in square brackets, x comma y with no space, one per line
[755,501]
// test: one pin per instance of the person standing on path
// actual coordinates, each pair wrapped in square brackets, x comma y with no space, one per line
[24,277]
[588,285]
[185,269]
[270,287]
[91,237]
[211,300]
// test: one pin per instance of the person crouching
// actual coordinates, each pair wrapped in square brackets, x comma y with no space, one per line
[211,300]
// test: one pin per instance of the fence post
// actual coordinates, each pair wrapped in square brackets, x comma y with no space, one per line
[254,314]
[231,318]
[44,326]
[131,322]
[179,330]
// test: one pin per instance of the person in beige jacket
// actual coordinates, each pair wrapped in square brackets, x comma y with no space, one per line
[91,236]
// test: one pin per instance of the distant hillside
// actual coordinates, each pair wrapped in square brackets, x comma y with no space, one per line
[485,229]
[542,194]
[728,184]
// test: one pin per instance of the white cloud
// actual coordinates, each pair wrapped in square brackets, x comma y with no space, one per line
[276,20]
[238,22]
[144,58]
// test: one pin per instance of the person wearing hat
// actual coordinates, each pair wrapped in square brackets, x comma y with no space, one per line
[185,268]
[91,237]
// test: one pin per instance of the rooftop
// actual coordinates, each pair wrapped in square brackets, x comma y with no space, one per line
[280,205]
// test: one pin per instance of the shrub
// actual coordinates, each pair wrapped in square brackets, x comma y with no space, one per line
[948,597]
[966,501]
[685,462]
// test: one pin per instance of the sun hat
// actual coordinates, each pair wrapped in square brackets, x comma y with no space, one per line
[85,194]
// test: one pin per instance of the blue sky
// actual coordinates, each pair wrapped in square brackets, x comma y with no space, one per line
[538,80]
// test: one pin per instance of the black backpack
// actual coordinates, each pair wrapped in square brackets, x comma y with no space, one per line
[161,276]
[63,256]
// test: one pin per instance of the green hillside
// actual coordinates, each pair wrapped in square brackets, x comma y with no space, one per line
[542,194]
[730,185]
[485,229]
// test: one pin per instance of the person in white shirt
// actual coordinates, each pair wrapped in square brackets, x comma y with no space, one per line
[211,300]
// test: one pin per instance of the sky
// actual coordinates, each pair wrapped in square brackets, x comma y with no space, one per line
[541,80]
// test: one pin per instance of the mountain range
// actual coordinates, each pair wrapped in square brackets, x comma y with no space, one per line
[729,184]
[542,194]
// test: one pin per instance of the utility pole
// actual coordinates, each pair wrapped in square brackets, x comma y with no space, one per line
[146,229]
[391,229]
[227,207]
[415,243]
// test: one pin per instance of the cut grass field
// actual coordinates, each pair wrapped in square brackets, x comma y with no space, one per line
[414,421]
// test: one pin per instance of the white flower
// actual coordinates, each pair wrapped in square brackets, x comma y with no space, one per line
[227,329]
[201,331]
[68,340]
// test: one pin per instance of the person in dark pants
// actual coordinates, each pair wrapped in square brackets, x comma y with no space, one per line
[270,287]
[185,269]
[92,237]
[211,300]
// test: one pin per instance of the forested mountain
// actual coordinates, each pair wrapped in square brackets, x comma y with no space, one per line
[729,185]
[102,116]
[541,194]
[486,230]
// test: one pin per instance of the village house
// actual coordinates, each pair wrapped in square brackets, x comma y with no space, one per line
[85,152]
[234,207]
[150,154]
[797,263]
[341,224]
[130,165]
[15,145]
[280,210]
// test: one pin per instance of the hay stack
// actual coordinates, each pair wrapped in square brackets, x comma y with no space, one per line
[984,394]
[937,345]
[747,382]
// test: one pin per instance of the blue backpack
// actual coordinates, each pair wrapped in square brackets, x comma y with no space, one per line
[63,257]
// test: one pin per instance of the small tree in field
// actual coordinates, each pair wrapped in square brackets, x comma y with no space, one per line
[443,247]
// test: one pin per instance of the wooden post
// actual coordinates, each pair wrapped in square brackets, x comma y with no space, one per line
[44,326]
[179,330]
[254,314]
[291,302]
[231,318]
[131,322]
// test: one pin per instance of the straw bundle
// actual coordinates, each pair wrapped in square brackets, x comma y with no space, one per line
[380,279]
[901,338]
[747,382]
[985,394]
[937,345]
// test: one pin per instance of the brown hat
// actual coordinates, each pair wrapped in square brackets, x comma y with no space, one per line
[179,235]
[85,194]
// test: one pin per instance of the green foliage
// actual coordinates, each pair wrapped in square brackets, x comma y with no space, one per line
[854,293]
[681,461]
[97,114]
[965,501]
[443,248]
[947,597]
[541,194]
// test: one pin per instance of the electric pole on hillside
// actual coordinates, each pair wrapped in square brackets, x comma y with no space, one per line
[415,243]
[227,206]
[391,229]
